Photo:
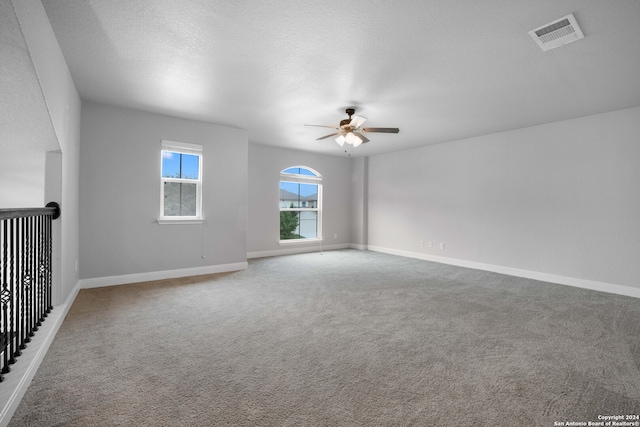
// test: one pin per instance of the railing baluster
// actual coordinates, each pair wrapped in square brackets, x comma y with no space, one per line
[16,287]
[49,264]
[39,273]
[12,293]
[28,274]
[32,276]
[21,281]
[3,283]
[25,277]
[15,280]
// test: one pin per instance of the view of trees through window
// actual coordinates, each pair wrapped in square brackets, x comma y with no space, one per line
[289,222]
[299,207]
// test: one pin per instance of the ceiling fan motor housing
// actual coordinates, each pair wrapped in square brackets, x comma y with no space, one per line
[350,112]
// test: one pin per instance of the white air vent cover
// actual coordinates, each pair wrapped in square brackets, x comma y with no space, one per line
[557,33]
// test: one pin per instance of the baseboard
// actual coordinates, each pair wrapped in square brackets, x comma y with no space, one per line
[98,282]
[291,250]
[535,275]
[16,382]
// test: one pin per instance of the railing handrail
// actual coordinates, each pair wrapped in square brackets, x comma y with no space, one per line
[52,209]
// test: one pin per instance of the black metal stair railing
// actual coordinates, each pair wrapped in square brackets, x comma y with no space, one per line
[25,277]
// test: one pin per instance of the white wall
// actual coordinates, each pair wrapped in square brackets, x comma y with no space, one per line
[120,194]
[561,198]
[26,131]
[265,164]
[53,125]
[22,179]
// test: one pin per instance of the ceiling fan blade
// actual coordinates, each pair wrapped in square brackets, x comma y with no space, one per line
[383,130]
[357,121]
[362,137]
[327,136]
[324,126]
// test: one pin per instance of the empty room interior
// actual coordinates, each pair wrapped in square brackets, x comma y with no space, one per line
[321,213]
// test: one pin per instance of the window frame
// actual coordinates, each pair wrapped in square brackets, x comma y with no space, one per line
[316,179]
[182,148]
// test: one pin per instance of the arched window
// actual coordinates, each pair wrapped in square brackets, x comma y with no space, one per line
[300,204]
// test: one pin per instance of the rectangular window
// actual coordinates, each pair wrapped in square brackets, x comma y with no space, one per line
[181,181]
[299,210]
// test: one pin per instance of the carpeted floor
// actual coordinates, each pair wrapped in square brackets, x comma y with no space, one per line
[346,338]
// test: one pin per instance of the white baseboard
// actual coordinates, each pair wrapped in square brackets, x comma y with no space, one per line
[98,282]
[17,381]
[544,277]
[291,250]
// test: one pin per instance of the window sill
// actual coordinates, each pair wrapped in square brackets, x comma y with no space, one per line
[181,221]
[299,241]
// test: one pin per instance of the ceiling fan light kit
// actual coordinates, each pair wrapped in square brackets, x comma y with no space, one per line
[350,138]
[350,130]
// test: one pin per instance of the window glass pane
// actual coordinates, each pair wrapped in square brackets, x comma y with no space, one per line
[293,171]
[180,165]
[188,199]
[289,225]
[303,171]
[179,199]
[308,195]
[308,224]
[297,195]
[299,171]
[170,164]
[289,197]
[190,166]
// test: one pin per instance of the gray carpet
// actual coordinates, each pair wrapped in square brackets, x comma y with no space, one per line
[347,338]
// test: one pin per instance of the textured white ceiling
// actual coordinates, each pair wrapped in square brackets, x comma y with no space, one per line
[438,70]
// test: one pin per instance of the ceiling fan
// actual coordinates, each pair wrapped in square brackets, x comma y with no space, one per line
[350,130]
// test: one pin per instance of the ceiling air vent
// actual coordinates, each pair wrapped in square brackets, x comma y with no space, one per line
[557,33]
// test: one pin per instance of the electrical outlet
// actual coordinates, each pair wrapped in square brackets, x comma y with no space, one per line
[442,246]
[430,244]
[421,242]
[335,235]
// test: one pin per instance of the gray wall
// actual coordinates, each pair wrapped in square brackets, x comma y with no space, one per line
[359,202]
[120,194]
[561,198]
[265,164]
